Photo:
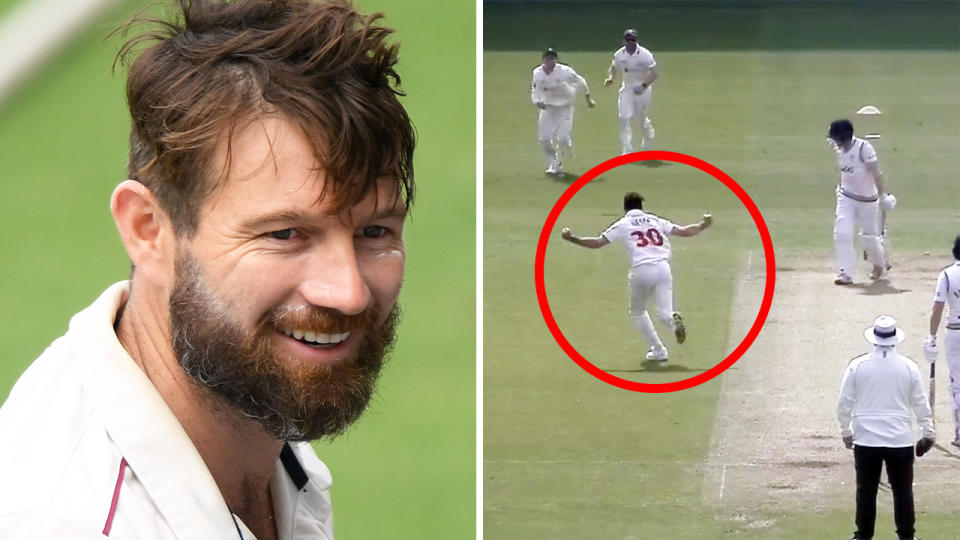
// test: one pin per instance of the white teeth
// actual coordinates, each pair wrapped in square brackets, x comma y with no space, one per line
[316,337]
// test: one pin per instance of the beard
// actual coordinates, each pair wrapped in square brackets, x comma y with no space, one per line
[292,399]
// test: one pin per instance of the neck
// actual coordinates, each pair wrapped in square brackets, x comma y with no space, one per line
[237,451]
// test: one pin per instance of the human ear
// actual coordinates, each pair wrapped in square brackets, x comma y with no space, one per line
[145,230]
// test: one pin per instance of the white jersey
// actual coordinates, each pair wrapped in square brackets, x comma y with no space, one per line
[644,236]
[948,292]
[557,88]
[633,68]
[855,181]
[91,449]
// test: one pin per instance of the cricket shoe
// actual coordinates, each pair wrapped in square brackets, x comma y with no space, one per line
[842,279]
[877,272]
[551,170]
[679,329]
[955,442]
[657,354]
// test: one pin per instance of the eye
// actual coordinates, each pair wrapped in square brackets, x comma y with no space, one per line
[284,234]
[373,231]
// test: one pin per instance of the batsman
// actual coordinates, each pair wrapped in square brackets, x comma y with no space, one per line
[947,292]
[860,197]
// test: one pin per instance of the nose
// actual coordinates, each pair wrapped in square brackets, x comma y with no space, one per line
[334,279]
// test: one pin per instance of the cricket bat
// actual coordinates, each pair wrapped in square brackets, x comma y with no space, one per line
[933,389]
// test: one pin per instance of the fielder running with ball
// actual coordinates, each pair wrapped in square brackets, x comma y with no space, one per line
[860,195]
[948,292]
[636,67]
[644,236]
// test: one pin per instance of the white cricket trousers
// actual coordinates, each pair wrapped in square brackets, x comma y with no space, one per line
[951,341]
[630,106]
[554,128]
[855,215]
[646,281]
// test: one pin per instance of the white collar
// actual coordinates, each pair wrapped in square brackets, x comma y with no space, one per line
[154,443]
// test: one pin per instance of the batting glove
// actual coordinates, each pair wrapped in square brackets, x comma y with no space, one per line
[930,348]
[888,201]
[923,446]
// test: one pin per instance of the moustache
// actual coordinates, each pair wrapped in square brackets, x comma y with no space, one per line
[320,320]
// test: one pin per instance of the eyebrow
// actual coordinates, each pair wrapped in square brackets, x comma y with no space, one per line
[291,216]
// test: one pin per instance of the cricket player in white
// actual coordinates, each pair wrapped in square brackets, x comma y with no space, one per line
[636,67]
[553,91]
[644,236]
[860,194]
[948,293]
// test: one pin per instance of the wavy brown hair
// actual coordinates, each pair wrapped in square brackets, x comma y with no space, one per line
[219,64]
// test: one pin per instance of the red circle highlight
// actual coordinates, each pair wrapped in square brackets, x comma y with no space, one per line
[771,270]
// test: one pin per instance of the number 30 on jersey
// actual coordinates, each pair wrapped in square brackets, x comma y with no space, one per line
[651,236]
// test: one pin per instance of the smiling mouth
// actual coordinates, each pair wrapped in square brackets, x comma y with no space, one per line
[317,340]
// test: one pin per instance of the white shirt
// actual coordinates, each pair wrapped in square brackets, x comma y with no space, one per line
[83,412]
[643,235]
[948,292]
[880,394]
[557,88]
[633,68]
[854,178]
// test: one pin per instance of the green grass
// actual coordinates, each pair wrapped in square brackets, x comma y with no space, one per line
[566,456]
[406,470]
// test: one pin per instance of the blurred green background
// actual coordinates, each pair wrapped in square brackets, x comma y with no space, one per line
[407,469]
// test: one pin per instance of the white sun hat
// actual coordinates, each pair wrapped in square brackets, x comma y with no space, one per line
[884,332]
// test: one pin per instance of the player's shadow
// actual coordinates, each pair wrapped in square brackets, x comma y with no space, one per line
[657,367]
[878,288]
[569,178]
[653,163]
[949,452]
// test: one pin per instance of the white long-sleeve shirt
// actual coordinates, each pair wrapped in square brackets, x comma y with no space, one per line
[881,393]
[89,449]
[557,88]
[633,68]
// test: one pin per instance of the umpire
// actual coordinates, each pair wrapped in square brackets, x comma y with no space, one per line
[880,394]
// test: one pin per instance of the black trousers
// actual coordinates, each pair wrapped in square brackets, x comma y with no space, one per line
[899,462]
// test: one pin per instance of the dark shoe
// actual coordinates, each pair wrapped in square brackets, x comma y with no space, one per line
[679,329]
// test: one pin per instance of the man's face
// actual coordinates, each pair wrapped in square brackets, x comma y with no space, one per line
[630,42]
[549,62]
[280,304]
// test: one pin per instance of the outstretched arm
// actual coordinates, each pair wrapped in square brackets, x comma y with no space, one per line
[591,242]
[694,228]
